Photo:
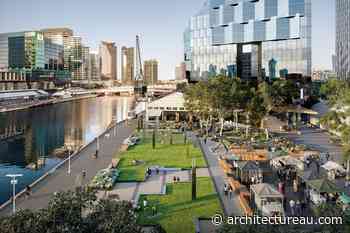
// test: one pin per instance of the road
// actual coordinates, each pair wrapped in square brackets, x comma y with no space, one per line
[60,180]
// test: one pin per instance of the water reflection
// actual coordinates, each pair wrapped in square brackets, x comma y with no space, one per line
[33,141]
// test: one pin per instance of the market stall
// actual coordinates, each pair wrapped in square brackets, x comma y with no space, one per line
[322,190]
[267,199]
[248,172]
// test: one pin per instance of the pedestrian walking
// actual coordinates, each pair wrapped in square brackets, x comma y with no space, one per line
[230,190]
[298,208]
[225,189]
[154,210]
[28,191]
[84,173]
[178,179]
[292,207]
[174,179]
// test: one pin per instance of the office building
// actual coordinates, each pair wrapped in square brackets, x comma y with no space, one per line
[85,63]
[128,65]
[63,37]
[180,71]
[247,35]
[94,66]
[54,55]
[343,39]
[108,56]
[76,58]
[150,71]
[22,50]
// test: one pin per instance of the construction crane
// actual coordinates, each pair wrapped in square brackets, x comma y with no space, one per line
[140,87]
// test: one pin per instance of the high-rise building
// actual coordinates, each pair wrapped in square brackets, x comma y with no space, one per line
[108,56]
[343,39]
[128,65]
[150,71]
[180,71]
[247,35]
[22,50]
[94,69]
[61,36]
[334,63]
[76,58]
[85,62]
[54,55]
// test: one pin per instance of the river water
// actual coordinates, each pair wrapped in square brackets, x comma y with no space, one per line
[33,141]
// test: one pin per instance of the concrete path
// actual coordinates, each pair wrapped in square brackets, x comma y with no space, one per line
[231,206]
[318,139]
[61,181]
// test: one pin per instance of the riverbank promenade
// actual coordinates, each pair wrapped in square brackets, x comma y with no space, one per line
[60,180]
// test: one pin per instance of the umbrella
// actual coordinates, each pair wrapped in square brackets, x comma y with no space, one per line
[324,186]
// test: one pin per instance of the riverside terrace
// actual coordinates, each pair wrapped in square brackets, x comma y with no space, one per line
[259,166]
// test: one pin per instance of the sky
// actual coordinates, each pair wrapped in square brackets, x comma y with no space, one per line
[160,23]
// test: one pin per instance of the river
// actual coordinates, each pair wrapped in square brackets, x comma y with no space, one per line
[33,141]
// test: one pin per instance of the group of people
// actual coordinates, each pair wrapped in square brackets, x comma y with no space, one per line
[297,208]
[176,179]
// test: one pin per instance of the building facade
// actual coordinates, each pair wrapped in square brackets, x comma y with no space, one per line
[343,39]
[150,72]
[180,71]
[108,56]
[63,37]
[76,58]
[237,35]
[128,65]
[54,57]
[94,67]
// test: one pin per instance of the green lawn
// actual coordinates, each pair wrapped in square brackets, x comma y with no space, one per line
[167,155]
[176,211]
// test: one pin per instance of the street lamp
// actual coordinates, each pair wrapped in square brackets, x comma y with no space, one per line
[14,181]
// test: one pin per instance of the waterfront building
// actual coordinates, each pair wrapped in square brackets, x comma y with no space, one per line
[76,58]
[343,39]
[128,65]
[180,71]
[54,55]
[151,72]
[63,37]
[108,56]
[85,63]
[94,69]
[22,50]
[246,35]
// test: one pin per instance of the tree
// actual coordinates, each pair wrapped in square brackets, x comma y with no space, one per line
[113,217]
[78,212]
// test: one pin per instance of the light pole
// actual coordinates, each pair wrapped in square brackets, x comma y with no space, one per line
[14,181]
[69,167]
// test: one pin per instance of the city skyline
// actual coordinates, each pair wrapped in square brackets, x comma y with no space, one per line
[162,40]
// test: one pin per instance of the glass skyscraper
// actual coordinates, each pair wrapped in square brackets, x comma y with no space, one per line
[343,39]
[245,36]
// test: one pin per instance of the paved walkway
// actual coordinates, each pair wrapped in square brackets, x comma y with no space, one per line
[318,139]
[231,206]
[61,181]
